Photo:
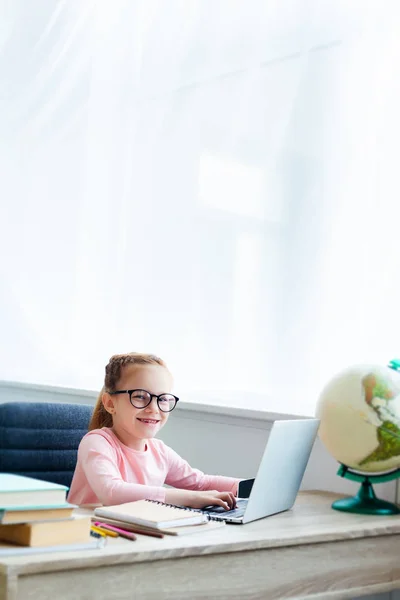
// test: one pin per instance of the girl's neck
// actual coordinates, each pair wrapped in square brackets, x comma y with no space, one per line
[128,440]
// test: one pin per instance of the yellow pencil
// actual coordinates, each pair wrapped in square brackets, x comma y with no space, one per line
[104,532]
[98,531]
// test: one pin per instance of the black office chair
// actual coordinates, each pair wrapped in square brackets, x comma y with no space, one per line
[41,439]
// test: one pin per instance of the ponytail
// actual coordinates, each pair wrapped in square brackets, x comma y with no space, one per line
[100,417]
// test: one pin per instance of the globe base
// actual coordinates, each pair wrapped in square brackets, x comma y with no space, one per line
[366,503]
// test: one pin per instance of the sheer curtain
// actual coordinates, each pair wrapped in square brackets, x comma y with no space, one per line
[213,181]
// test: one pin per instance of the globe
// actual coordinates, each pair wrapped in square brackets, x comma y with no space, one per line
[359,409]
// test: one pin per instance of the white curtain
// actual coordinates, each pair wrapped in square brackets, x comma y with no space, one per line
[213,181]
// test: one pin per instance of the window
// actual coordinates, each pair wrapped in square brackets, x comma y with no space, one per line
[214,182]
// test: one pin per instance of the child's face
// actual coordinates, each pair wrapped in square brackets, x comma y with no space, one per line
[134,425]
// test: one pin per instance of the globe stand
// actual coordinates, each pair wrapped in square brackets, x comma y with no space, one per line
[365,502]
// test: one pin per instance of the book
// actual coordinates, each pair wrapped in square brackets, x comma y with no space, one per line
[152,514]
[48,533]
[23,514]
[17,490]
[7,549]
[182,530]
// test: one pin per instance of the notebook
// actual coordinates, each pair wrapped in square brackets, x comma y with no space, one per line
[153,514]
[16,490]
[182,530]
[48,533]
[23,514]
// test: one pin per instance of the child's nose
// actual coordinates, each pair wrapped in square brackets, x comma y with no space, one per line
[153,406]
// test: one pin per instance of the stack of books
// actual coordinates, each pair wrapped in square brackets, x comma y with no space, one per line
[148,517]
[35,516]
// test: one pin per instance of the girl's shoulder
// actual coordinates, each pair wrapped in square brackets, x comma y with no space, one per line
[100,435]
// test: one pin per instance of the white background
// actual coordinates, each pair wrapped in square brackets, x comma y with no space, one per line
[211,181]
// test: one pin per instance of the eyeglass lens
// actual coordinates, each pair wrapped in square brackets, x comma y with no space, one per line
[141,399]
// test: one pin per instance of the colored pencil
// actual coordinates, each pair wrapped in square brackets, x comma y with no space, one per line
[105,531]
[129,535]
[98,531]
[126,533]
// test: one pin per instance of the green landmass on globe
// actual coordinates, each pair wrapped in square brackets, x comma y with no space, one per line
[379,396]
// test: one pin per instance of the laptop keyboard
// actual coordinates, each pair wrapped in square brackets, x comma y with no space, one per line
[235,512]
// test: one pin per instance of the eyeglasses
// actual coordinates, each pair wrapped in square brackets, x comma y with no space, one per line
[142,398]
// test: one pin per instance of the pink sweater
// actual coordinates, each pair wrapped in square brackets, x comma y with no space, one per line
[108,472]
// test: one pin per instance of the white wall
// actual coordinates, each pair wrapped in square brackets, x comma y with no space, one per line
[217,440]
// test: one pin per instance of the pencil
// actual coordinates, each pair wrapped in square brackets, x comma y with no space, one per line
[97,531]
[129,535]
[156,534]
[105,531]
[126,533]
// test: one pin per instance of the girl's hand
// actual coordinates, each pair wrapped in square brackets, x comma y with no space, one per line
[194,499]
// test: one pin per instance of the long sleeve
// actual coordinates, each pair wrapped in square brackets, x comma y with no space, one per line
[99,462]
[182,475]
[108,472]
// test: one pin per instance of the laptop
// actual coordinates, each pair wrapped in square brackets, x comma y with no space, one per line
[279,474]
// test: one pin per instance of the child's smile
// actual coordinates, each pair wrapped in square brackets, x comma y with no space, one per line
[148,421]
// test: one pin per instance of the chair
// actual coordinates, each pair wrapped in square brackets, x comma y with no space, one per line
[41,439]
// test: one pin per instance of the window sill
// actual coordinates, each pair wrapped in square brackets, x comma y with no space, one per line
[216,403]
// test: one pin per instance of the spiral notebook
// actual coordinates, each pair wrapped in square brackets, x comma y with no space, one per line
[151,513]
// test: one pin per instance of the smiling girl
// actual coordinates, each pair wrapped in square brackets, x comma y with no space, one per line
[120,460]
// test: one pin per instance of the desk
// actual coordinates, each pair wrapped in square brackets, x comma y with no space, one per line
[311,551]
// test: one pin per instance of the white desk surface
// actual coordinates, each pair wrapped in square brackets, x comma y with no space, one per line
[312,531]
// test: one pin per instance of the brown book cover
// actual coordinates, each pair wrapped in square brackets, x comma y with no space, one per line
[48,533]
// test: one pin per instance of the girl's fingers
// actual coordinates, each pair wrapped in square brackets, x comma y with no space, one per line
[230,499]
[220,502]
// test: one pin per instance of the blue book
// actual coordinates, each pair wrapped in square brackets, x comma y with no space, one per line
[19,491]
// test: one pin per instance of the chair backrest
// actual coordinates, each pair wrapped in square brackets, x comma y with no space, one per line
[41,439]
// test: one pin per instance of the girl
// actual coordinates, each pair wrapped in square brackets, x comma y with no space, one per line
[120,460]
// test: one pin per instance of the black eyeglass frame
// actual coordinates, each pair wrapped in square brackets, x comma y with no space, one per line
[130,392]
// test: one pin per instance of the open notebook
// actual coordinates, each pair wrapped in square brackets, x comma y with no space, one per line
[149,513]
